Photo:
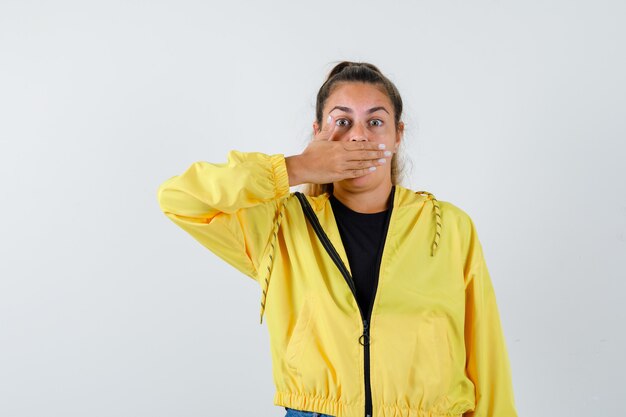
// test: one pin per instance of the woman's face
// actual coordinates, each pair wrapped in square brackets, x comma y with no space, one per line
[362,112]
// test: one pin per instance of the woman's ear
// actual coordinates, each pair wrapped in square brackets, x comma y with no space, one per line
[315,128]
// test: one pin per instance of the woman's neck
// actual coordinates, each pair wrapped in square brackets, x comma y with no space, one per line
[369,201]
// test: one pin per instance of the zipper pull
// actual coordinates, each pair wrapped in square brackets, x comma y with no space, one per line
[364,339]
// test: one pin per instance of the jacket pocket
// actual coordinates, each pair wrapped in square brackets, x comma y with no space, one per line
[432,357]
[299,336]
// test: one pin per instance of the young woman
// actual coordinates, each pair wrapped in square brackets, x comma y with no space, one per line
[377,298]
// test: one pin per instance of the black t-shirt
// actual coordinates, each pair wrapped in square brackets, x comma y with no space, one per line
[362,235]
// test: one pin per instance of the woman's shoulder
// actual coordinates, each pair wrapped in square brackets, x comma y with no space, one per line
[450,211]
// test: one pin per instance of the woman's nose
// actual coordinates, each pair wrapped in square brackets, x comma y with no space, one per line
[358,138]
[357,132]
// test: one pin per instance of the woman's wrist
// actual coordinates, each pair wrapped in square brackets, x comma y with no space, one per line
[294,164]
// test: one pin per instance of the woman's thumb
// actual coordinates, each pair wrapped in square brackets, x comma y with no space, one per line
[329,128]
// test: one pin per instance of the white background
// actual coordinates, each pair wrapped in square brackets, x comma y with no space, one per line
[514,112]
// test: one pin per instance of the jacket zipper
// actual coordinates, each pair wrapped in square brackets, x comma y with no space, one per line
[365,336]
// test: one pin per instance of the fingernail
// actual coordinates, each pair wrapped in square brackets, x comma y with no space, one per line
[387,153]
[381,146]
[330,119]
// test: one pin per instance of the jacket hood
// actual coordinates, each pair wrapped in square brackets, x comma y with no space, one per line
[437,214]
[400,199]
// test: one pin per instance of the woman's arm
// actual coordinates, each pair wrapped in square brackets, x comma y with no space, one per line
[487,358]
[231,207]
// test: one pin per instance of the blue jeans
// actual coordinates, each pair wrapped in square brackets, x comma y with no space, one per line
[298,413]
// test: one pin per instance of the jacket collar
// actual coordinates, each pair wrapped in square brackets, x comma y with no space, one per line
[402,197]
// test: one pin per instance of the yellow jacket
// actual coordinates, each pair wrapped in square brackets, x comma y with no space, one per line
[433,345]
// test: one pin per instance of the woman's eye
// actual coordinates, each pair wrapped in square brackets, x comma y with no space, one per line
[342,122]
[376,122]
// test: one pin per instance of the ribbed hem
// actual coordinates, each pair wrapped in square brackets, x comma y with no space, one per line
[316,404]
[281,177]
[336,408]
[395,411]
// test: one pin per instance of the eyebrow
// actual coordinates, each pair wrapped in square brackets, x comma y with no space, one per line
[349,110]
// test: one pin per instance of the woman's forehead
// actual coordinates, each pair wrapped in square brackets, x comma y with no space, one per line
[358,96]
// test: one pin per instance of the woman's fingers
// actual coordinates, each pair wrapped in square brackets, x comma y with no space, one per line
[341,159]
[327,131]
[361,172]
[332,128]
[365,151]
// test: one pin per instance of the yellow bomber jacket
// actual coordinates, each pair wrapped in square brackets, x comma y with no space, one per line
[432,344]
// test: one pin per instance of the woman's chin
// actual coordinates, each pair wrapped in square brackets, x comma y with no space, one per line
[358,182]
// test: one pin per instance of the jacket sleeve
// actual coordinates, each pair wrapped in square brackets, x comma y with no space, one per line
[230,208]
[487,362]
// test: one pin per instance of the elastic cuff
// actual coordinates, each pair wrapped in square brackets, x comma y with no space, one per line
[281,177]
